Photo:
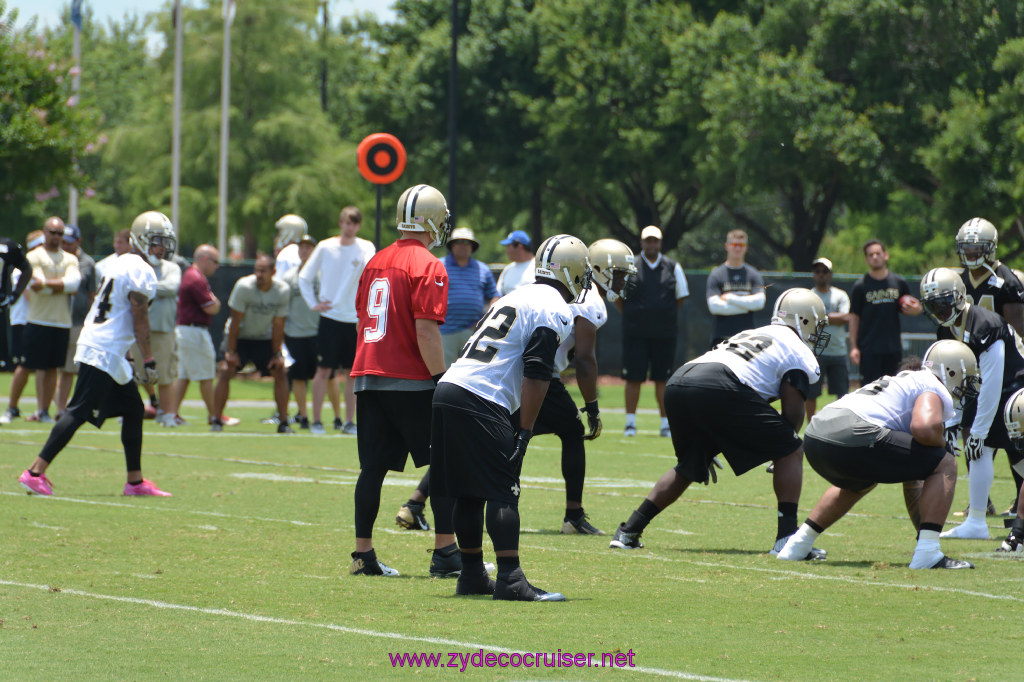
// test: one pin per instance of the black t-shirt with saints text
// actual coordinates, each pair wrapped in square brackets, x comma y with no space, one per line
[876,301]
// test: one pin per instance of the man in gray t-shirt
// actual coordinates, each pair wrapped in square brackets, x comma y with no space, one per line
[835,369]
[259,307]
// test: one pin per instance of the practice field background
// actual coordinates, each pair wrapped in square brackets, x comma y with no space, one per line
[243,573]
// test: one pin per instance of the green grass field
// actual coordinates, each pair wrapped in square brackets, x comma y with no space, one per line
[243,573]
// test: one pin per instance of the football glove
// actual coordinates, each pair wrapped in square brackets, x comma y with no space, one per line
[712,474]
[593,420]
[953,440]
[149,374]
[522,441]
[972,447]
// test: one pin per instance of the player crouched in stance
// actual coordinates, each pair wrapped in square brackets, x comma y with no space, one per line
[476,455]
[1013,417]
[891,431]
[614,271]
[119,316]
[720,403]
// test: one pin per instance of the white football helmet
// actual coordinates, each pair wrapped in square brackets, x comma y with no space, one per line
[954,364]
[1013,415]
[609,256]
[943,296]
[802,311]
[564,258]
[976,243]
[290,229]
[422,208]
[153,228]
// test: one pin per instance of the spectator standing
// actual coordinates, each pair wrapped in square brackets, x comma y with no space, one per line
[55,277]
[163,312]
[519,271]
[735,290]
[19,318]
[300,332]
[80,304]
[834,359]
[337,262]
[471,291]
[649,326]
[197,305]
[104,388]
[875,309]
[259,306]
[122,245]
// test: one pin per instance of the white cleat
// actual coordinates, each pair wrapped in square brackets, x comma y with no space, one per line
[968,530]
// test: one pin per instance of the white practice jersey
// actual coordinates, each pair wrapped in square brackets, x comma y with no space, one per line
[287,260]
[491,363]
[109,329]
[889,401]
[761,357]
[594,311]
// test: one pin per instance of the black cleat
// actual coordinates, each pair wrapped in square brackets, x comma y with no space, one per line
[284,428]
[624,540]
[1012,544]
[946,562]
[515,587]
[366,563]
[581,527]
[477,582]
[446,565]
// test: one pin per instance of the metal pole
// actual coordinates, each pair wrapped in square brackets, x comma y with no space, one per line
[453,101]
[76,81]
[176,130]
[323,63]
[225,103]
[376,234]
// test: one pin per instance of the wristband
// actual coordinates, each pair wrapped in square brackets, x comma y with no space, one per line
[591,408]
[149,361]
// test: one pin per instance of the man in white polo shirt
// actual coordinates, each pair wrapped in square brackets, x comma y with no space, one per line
[338,262]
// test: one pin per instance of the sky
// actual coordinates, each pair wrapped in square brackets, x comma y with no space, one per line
[49,11]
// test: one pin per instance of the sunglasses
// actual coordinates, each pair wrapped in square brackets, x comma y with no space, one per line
[60,232]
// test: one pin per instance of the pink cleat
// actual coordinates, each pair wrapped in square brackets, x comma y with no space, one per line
[39,485]
[147,487]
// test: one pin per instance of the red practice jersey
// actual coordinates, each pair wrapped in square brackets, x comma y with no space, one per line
[401,283]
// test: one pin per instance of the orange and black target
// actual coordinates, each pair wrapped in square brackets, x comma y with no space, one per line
[381,158]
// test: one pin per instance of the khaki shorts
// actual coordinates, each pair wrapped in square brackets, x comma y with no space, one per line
[197,359]
[453,343]
[164,352]
[69,362]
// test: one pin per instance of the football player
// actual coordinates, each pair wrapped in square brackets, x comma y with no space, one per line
[1000,356]
[12,257]
[476,453]
[401,300]
[614,271]
[1013,418]
[290,230]
[891,431]
[104,388]
[992,286]
[733,384]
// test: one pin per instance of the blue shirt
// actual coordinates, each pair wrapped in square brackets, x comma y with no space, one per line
[470,288]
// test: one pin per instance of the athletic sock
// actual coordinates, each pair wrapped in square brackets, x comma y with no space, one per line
[631,419]
[507,564]
[800,545]
[979,481]
[664,422]
[575,515]
[927,552]
[787,519]
[643,515]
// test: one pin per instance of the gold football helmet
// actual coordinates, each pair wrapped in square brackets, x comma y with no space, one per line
[954,364]
[943,296]
[564,258]
[609,257]
[422,208]
[1013,415]
[153,228]
[802,311]
[290,229]
[976,243]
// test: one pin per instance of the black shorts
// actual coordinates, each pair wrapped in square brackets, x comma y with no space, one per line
[997,436]
[894,458]
[472,440]
[558,414]
[875,365]
[335,344]
[45,347]
[18,345]
[97,397]
[711,412]
[836,370]
[257,351]
[393,425]
[303,352]
[639,354]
